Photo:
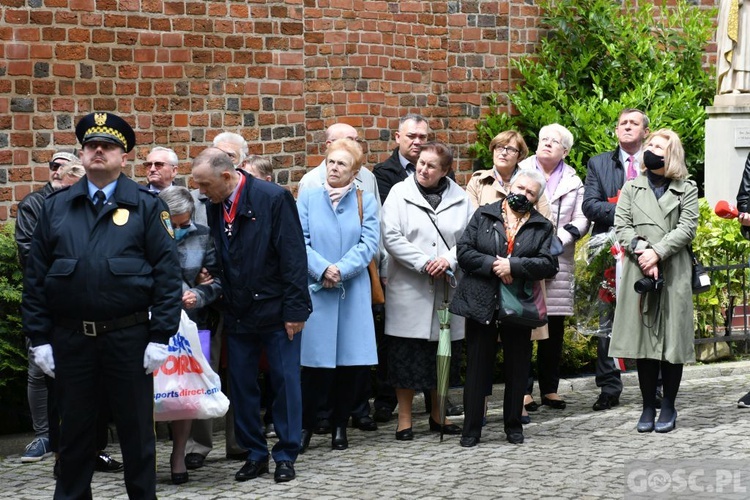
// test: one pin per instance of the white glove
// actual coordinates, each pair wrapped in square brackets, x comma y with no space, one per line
[155,356]
[42,355]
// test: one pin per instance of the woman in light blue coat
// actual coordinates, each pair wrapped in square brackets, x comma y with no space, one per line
[339,337]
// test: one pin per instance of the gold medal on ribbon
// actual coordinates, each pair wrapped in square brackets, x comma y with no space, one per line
[120,217]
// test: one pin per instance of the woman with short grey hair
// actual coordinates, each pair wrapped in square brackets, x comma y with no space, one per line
[195,250]
[564,190]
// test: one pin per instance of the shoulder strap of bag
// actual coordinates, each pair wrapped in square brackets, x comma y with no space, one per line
[359,205]
[436,227]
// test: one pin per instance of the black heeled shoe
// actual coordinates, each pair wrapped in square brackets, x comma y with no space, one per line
[338,439]
[646,422]
[447,429]
[178,477]
[405,434]
[557,404]
[667,426]
[305,440]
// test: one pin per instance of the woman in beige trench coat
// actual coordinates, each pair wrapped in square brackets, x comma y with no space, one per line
[655,222]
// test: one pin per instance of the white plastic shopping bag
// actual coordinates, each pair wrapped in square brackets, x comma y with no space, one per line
[185,386]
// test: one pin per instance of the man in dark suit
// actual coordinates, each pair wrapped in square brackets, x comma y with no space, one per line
[606,174]
[102,257]
[413,131]
[258,237]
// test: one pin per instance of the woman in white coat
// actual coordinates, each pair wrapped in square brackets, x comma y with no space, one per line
[564,190]
[423,217]
[338,342]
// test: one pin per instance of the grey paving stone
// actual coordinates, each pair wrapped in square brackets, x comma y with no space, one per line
[574,453]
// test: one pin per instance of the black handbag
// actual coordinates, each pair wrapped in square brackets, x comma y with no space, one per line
[701,279]
[522,303]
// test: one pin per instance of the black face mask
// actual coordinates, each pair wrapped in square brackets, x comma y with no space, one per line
[652,161]
[519,203]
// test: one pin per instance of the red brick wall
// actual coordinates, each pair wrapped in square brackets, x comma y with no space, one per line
[278,72]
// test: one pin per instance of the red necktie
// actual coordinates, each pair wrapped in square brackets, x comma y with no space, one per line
[632,173]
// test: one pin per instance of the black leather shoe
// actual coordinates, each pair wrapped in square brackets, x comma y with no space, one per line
[323,426]
[532,406]
[382,415]
[364,423]
[194,461]
[525,419]
[557,404]
[251,470]
[338,439]
[469,441]
[605,402]
[447,429]
[177,477]
[515,437]
[284,472]
[305,441]
[105,463]
[405,434]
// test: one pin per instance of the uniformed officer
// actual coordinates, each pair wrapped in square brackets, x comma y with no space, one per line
[102,255]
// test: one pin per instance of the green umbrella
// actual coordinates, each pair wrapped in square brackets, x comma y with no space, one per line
[443,358]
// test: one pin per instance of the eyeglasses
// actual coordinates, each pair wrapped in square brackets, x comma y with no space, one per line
[157,164]
[54,166]
[551,140]
[506,149]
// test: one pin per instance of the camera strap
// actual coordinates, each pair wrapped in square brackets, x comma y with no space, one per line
[656,313]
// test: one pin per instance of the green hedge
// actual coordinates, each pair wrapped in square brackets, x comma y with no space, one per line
[13,361]
[599,57]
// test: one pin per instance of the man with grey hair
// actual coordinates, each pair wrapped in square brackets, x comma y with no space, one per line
[364,180]
[234,145]
[258,237]
[161,167]
[413,131]
[606,174]
[36,388]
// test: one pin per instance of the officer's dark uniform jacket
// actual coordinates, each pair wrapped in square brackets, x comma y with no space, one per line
[264,263]
[28,215]
[98,268]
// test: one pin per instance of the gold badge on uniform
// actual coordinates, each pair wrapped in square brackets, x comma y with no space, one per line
[100,118]
[166,221]
[120,216]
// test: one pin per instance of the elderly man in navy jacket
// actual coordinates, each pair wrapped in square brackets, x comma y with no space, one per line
[258,237]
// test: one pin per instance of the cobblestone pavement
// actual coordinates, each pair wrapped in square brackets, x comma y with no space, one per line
[575,453]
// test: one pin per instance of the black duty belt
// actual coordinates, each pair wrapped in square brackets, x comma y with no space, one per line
[94,328]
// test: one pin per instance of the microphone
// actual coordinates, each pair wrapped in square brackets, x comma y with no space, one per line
[726,210]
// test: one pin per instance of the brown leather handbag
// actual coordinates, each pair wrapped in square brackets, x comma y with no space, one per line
[378,297]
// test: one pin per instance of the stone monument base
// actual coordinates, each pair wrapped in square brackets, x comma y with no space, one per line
[727,146]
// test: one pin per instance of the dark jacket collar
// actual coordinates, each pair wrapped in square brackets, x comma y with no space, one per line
[126,191]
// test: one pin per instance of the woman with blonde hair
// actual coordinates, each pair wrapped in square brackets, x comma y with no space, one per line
[341,229]
[655,222]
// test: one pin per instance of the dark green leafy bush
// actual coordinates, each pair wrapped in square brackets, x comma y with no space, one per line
[601,56]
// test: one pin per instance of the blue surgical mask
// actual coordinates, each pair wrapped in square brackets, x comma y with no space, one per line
[180,233]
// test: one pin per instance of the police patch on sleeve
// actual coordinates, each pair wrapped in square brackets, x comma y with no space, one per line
[167,223]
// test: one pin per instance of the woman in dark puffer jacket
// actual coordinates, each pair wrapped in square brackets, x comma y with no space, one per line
[505,240]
